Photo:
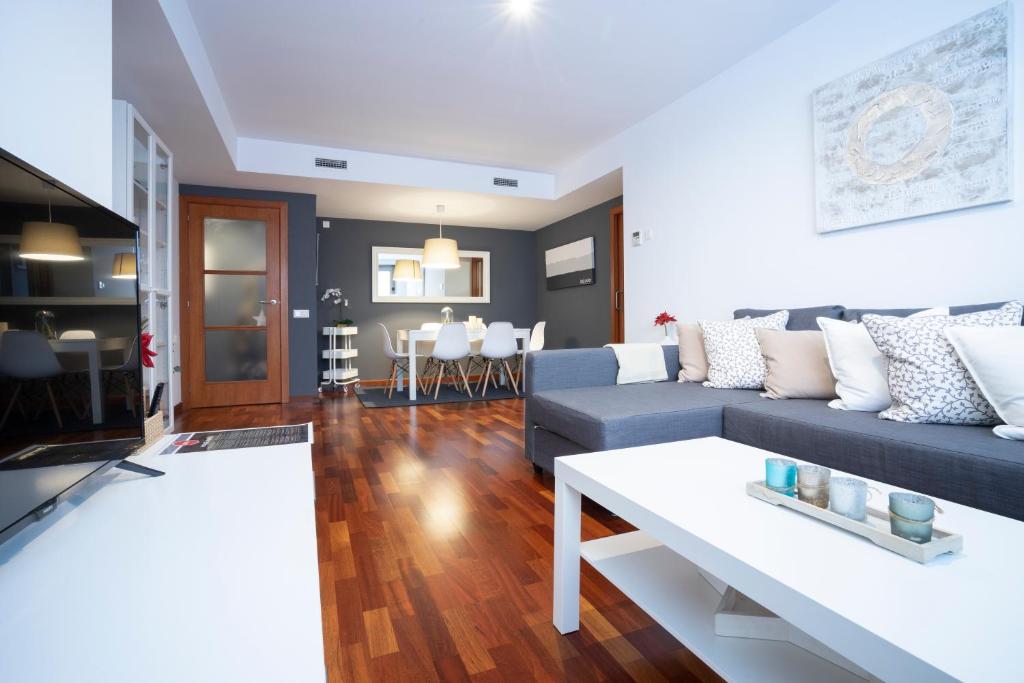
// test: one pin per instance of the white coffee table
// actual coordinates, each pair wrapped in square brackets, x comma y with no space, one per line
[955,618]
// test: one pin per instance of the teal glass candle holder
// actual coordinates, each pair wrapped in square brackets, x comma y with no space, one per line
[780,475]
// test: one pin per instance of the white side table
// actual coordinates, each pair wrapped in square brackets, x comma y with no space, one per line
[340,372]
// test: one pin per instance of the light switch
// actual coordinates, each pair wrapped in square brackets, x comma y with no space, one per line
[300,313]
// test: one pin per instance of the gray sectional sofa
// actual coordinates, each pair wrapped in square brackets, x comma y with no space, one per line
[574,406]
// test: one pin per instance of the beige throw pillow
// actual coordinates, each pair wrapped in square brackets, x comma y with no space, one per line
[692,358]
[797,364]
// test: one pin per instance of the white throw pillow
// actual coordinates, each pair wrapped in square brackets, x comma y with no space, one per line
[995,358]
[927,381]
[734,356]
[860,369]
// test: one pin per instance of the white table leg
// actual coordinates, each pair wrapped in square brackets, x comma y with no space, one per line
[412,367]
[566,614]
[95,389]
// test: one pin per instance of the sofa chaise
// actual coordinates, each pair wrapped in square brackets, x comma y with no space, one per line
[574,406]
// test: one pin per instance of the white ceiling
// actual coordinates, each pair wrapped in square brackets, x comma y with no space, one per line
[455,80]
[463,79]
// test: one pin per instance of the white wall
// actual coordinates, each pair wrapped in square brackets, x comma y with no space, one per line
[724,178]
[55,79]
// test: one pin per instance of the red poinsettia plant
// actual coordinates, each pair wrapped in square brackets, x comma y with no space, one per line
[148,354]
[664,318]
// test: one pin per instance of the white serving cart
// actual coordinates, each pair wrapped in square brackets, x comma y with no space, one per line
[339,354]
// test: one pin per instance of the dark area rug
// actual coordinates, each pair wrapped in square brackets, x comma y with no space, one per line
[377,398]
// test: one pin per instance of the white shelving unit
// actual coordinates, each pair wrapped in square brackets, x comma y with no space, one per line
[340,372]
[144,194]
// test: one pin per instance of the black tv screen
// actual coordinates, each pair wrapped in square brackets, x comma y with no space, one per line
[70,369]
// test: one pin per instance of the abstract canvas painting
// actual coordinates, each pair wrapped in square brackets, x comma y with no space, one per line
[922,131]
[570,265]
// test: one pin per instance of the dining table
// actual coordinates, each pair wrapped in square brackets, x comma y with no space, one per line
[92,349]
[408,339]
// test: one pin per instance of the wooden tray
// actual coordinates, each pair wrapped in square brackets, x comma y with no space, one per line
[875,528]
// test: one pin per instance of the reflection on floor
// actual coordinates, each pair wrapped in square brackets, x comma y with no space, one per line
[435,551]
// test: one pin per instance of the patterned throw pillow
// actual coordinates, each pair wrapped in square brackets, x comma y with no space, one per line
[734,356]
[928,381]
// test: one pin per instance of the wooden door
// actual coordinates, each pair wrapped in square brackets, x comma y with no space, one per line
[234,274]
[618,293]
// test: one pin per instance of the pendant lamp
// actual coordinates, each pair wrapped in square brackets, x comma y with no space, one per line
[50,241]
[407,269]
[440,252]
[124,266]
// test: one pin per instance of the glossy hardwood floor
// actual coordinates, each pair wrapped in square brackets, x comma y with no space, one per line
[435,546]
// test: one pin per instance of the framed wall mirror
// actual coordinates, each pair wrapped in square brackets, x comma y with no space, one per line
[398,277]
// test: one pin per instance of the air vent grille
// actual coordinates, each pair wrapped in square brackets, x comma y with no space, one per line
[506,182]
[322,162]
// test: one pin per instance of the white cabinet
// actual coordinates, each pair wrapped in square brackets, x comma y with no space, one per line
[144,193]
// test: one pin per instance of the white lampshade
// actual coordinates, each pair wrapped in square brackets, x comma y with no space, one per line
[407,269]
[42,241]
[440,252]
[124,266]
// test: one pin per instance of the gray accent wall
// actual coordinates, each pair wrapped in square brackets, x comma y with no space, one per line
[302,333]
[577,317]
[345,263]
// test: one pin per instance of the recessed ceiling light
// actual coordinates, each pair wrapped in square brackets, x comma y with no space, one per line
[520,8]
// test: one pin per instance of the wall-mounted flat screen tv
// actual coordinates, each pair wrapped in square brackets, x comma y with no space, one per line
[71,389]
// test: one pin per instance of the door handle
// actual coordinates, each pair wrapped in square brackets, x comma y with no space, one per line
[618,304]
[269,301]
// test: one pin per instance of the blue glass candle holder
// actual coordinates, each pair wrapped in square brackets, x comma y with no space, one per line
[911,516]
[780,475]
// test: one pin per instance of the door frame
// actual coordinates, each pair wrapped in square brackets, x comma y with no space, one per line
[617,274]
[185,203]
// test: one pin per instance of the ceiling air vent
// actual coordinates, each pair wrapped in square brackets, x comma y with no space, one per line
[321,162]
[506,182]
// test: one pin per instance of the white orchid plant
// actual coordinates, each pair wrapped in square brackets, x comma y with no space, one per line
[334,295]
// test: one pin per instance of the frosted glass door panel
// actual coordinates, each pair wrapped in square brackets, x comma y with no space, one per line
[140,157]
[235,244]
[234,300]
[236,355]
[161,227]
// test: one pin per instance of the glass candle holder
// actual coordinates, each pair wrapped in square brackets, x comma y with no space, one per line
[911,516]
[849,497]
[780,475]
[812,484]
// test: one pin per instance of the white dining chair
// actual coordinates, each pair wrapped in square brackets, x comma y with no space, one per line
[536,344]
[450,349]
[26,356]
[425,349]
[499,346]
[399,363]
[77,334]
[125,377]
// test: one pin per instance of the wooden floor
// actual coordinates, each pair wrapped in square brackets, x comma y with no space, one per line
[435,546]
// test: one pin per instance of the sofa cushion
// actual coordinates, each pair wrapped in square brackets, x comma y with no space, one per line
[565,368]
[602,418]
[799,318]
[968,465]
[854,315]
[975,308]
